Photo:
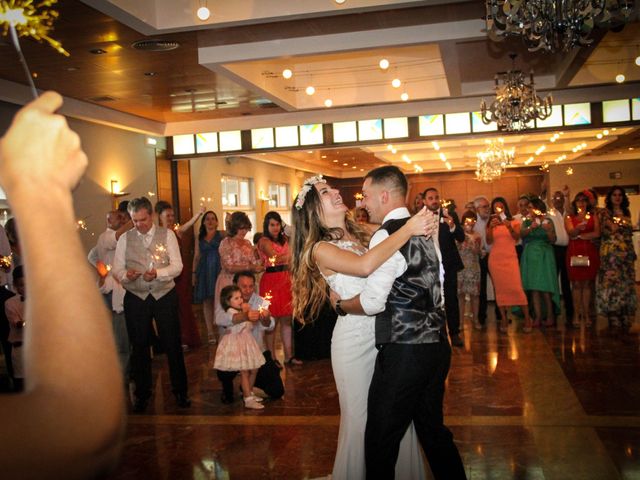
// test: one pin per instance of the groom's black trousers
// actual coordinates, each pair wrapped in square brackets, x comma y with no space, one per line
[408,385]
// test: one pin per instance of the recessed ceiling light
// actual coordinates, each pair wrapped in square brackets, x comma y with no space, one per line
[620,78]
[324,156]
[335,161]
[354,167]
[203,13]
[328,102]
[394,151]
[310,90]
[286,73]
[638,60]
[340,2]
[309,151]
[345,164]
[395,83]
[384,64]
[404,97]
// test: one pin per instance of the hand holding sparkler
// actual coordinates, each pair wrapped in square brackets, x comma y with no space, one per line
[55,163]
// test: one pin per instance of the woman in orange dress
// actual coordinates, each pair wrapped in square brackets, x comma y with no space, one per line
[583,228]
[503,232]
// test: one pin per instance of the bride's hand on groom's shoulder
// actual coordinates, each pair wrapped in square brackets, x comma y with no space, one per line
[422,222]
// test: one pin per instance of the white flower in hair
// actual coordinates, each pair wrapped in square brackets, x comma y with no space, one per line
[306,186]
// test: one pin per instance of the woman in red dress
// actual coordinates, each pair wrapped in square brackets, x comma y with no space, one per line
[583,258]
[190,337]
[273,248]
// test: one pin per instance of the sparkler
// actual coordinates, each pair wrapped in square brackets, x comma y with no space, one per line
[158,255]
[272,261]
[29,18]
[266,302]
[5,260]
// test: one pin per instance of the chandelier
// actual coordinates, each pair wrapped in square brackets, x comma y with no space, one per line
[493,160]
[516,103]
[554,25]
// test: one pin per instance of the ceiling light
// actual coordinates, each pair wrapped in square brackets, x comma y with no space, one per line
[448,166]
[599,136]
[406,158]
[328,102]
[345,164]
[443,157]
[394,151]
[435,145]
[395,83]
[554,25]
[203,13]
[620,78]
[404,97]
[540,149]
[340,2]
[335,161]
[310,90]
[389,147]
[638,60]
[528,161]
[605,132]
[287,73]
[493,161]
[384,63]
[516,103]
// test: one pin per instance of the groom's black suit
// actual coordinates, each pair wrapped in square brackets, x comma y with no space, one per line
[411,367]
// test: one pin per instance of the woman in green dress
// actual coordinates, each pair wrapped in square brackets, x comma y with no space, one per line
[616,294]
[538,267]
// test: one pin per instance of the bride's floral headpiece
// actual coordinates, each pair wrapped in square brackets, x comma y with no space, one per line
[306,186]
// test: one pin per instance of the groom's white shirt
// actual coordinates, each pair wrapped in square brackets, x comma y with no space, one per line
[376,290]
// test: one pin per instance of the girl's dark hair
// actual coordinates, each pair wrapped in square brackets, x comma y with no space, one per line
[281,238]
[238,221]
[538,204]
[625,201]
[468,214]
[225,295]
[162,205]
[574,207]
[507,212]
[203,229]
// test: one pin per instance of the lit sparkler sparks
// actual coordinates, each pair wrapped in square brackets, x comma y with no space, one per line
[272,261]
[5,260]
[30,18]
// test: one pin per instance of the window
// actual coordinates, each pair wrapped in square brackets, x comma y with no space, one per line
[237,194]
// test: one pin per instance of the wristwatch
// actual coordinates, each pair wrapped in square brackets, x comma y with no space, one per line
[339,309]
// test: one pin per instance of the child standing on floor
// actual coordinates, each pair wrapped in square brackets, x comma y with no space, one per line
[238,349]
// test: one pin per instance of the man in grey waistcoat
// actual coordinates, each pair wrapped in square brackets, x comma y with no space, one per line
[146,261]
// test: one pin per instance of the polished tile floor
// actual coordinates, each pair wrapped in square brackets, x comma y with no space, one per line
[553,404]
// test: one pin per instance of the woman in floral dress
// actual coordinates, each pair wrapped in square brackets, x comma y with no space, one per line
[469,276]
[616,294]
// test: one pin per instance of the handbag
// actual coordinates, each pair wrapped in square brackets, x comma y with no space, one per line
[579,261]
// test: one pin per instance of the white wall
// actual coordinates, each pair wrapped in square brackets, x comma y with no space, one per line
[206,173]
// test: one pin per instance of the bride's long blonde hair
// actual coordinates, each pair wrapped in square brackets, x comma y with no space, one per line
[308,286]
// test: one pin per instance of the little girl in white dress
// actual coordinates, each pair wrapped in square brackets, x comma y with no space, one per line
[238,349]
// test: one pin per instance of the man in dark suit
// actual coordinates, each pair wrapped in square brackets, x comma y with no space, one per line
[448,232]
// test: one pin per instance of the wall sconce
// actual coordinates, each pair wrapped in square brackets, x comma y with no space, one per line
[263,197]
[116,193]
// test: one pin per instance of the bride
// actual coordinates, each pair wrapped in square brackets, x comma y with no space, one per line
[329,250]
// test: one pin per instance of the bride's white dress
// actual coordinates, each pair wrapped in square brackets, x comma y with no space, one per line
[353,356]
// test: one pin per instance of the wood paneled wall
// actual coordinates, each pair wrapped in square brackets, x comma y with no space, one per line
[462,187]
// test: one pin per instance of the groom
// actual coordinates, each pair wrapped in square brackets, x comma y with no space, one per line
[413,360]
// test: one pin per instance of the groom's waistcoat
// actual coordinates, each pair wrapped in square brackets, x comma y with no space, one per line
[414,312]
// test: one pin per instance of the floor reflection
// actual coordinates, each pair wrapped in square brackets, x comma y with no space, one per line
[557,403]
